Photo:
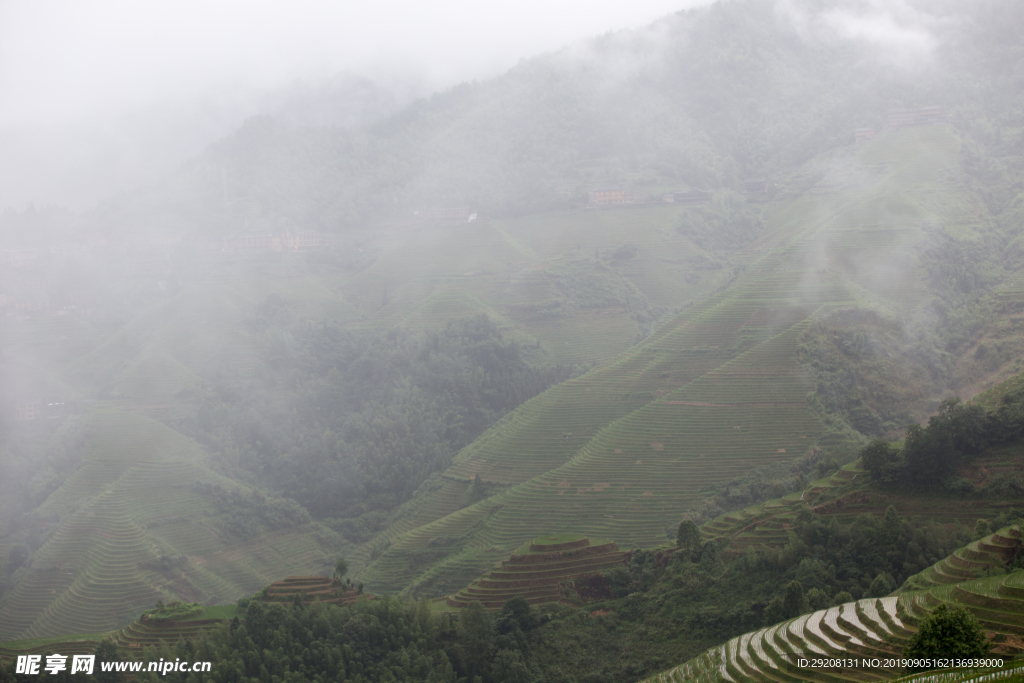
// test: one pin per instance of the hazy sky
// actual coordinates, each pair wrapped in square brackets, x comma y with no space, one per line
[60,60]
[100,95]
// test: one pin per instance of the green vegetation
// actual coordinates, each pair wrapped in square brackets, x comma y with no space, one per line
[347,425]
[173,610]
[688,537]
[660,606]
[425,398]
[137,520]
[310,589]
[939,622]
[340,569]
[946,632]
[954,437]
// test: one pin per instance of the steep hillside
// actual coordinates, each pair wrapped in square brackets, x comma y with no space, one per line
[205,401]
[624,451]
[704,98]
[142,518]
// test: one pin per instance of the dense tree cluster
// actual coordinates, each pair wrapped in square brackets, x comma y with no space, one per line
[347,424]
[955,435]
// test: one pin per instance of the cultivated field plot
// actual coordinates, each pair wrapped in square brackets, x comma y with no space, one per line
[130,505]
[145,631]
[515,271]
[309,589]
[979,558]
[538,570]
[624,451]
[875,627]
[866,628]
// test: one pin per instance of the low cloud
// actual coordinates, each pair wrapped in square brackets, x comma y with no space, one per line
[894,31]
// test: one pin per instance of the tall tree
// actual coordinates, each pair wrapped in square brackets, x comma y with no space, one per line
[949,631]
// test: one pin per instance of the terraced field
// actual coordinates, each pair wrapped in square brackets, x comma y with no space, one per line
[1013,672]
[70,644]
[619,453]
[866,628]
[506,268]
[846,494]
[622,452]
[130,639]
[537,570]
[625,450]
[872,628]
[130,503]
[147,631]
[877,627]
[982,557]
[309,589]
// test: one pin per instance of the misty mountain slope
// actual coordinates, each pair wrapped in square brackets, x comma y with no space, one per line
[704,98]
[633,476]
[583,285]
[143,518]
[623,452]
[869,280]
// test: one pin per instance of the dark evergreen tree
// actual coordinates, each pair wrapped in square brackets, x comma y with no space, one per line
[106,651]
[688,537]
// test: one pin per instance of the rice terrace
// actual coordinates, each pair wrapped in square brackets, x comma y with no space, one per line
[687,352]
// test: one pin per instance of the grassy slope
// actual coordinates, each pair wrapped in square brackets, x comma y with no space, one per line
[130,502]
[623,451]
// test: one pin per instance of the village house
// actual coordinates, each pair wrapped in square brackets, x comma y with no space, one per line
[28,410]
[608,196]
[158,267]
[301,241]
[862,134]
[902,117]
[931,115]
[32,306]
[30,296]
[925,116]
[20,258]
